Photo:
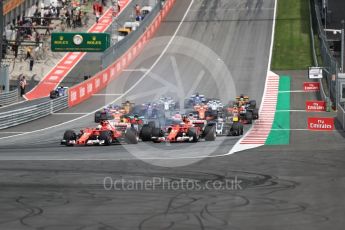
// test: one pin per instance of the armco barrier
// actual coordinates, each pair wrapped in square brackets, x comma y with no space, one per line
[8,98]
[86,89]
[27,114]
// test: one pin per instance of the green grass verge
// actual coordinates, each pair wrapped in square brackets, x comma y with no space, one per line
[292,49]
[281,124]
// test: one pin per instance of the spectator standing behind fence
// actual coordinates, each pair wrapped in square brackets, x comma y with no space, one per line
[137,12]
[28,53]
[97,16]
[22,85]
[31,63]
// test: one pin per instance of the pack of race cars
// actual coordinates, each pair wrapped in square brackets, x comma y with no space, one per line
[161,121]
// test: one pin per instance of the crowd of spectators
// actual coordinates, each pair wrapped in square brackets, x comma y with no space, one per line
[35,27]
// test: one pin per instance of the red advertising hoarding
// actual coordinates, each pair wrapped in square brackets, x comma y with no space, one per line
[311,86]
[321,123]
[315,106]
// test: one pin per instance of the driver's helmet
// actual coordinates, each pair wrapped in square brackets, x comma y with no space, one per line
[235,118]
[99,126]
[184,118]
[103,123]
[197,94]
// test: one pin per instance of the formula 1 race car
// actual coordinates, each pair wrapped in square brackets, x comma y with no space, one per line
[244,108]
[186,131]
[105,134]
[113,112]
[229,128]
[215,105]
[247,105]
[167,104]
[59,92]
[195,99]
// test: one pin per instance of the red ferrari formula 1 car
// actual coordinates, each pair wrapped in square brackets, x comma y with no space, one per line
[105,134]
[186,131]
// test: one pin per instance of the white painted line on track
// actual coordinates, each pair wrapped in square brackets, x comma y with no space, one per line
[10,132]
[272,38]
[293,91]
[107,94]
[125,93]
[135,70]
[21,158]
[70,113]
[291,110]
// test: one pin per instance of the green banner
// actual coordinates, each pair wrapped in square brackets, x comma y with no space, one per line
[80,42]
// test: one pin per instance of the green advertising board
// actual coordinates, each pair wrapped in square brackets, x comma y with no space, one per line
[79,42]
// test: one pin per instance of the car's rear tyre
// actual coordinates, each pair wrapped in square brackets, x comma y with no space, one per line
[210,133]
[98,117]
[192,133]
[249,117]
[252,104]
[152,124]
[236,129]
[68,136]
[146,133]
[157,132]
[255,114]
[53,94]
[131,136]
[106,137]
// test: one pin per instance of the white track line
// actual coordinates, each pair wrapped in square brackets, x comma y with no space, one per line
[272,38]
[107,94]
[11,132]
[70,113]
[294,91]
[125,93]
[134,70]
[291,110]
[21,158]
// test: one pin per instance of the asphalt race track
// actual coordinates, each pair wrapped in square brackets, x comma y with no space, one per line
[298,186]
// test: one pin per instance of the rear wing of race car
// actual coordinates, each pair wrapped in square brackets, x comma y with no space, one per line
[245,98]
[196,122]
[119,124]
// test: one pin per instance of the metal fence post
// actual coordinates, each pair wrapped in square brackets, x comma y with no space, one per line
[1,27]
[342,50]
